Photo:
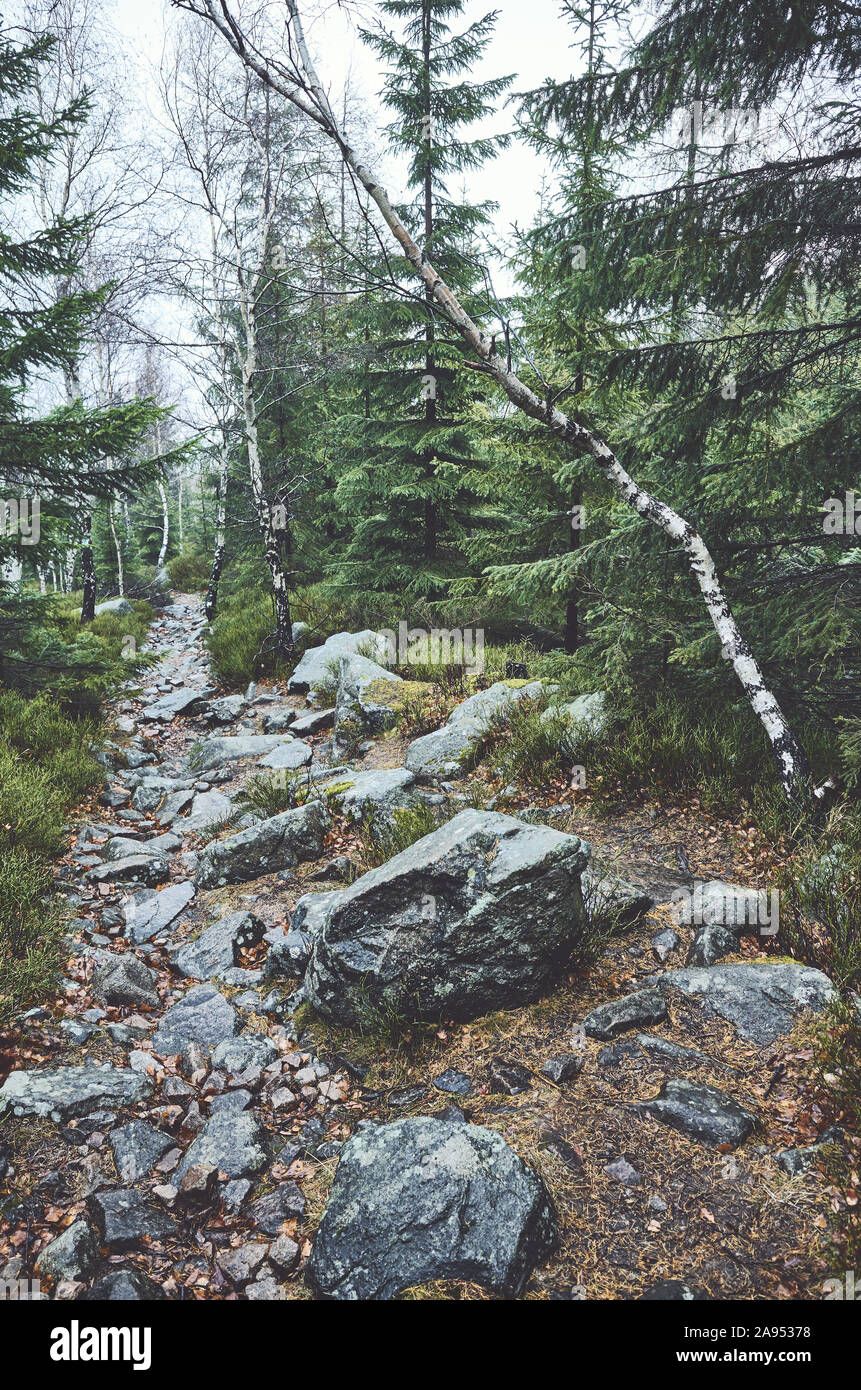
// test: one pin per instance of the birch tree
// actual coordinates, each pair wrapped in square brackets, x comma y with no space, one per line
[291,73]
[225,126]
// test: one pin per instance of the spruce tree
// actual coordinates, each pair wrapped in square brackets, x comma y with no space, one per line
[410,445]
[62,455]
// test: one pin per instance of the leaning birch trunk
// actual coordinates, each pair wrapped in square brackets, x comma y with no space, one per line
[309,96]
[211,602]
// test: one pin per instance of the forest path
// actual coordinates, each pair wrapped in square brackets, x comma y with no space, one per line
[174,1126]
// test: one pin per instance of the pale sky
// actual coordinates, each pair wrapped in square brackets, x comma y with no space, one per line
[531,41]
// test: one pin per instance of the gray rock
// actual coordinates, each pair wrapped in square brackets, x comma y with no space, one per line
[762,1001]
[311,912]
[443,752]
[367,696]
[137,1147]
[664,943]
[453,1083]
[588,712]
[231,1143]
[123,1217]
[72,1255]
[481,914]
[225,709]
[150,911]
[249,1050]
[710,944]
[288,956]
[124,1286]
[150,869]
[231,1101]
[121,847]
[314,722]
[207,809]
[702,1112]
[318,665]
[217,752]
[285,1203]
[218,947]
[119,606]
[181,701]
[375,795]
[280,842]
[284,1255]
[623,1171]
[290,754]
[173,806]
[425,1199]
[242,1263]
[151,791]
[123,979]
[72,1091]
[275,721]
[202,1016]
[564,1067]
[646,1006]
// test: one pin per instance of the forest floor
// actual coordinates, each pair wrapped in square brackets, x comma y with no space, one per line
[730,1223]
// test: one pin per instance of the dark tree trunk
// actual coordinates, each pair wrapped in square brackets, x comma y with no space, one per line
[88,572]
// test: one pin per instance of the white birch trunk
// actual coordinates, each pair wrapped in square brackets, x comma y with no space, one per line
[309,96]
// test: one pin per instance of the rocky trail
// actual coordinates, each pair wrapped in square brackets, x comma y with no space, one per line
[270,1075]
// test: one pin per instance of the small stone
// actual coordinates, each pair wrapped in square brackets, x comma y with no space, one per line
[241,1264]
[71,1256]
[136,1147]
[198,1183]
[622,1171]
[664,942]
[286,1203]
[124,1217]
[509,1078]
[563,1067]
[284,1255]
[454,1083]
[235,1193]
[642,1008]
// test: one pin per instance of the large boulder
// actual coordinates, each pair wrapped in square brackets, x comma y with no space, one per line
[426,1199]
[280,842]
[762,1001]
[443,753]
[482,914]
[71,1091]
[367,700]
[318,666]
